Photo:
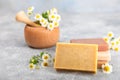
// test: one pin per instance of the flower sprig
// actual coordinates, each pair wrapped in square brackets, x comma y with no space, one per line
[114,43]
[49,19]
[42,60]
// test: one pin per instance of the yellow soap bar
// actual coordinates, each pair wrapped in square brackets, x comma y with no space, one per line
[73,56]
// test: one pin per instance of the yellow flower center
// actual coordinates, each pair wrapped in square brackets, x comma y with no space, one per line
[33,60]
[117,42]
[106,39]
[42,20]
[29,13]
[45,64]
[116,49]
[106,68]
[31,66]
[52,16]
[45,57]
[51,26]
[30,8]
[110,34]
[56,23]
[57,17]
[37,16]
[112,43]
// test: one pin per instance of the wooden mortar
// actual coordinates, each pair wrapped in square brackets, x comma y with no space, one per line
[40,37]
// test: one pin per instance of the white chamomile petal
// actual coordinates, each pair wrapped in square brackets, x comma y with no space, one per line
[31,8]
[50,26]
[103,66]
[53,11]
[38,16]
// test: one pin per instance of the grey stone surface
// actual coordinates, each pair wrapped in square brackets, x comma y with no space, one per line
[15,54]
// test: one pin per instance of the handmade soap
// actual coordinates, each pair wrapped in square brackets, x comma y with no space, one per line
[104,55]
[72,56]
[102,45]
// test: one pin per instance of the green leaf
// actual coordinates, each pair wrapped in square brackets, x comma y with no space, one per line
[112,39]
[45,15]
[41,54]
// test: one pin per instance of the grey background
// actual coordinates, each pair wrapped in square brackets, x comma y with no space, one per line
[80,19]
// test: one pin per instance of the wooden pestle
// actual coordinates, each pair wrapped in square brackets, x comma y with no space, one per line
[22,17]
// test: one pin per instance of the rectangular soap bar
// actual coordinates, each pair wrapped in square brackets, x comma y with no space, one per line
[104,55]
[72,56]
[102,45]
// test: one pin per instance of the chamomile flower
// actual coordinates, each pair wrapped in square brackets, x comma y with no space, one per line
[52,17]
[30,9]
[38,16]
[37,67]
[31,66]
[45,23]
[46,57]
[117,42]
[56,24]
[58,17]
[116,49]
[44,64]
[29,13]
[53,11]
[110,34]
[50,26]
[113,43]
[107,68]
[106,39]
[42,20]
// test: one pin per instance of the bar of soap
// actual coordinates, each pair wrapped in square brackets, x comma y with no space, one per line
[104,55]
[72,56]
[102,45]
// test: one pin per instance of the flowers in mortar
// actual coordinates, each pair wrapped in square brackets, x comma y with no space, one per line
[114,43]
[107,68]
[49,19]
[30,11]
[42,60]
